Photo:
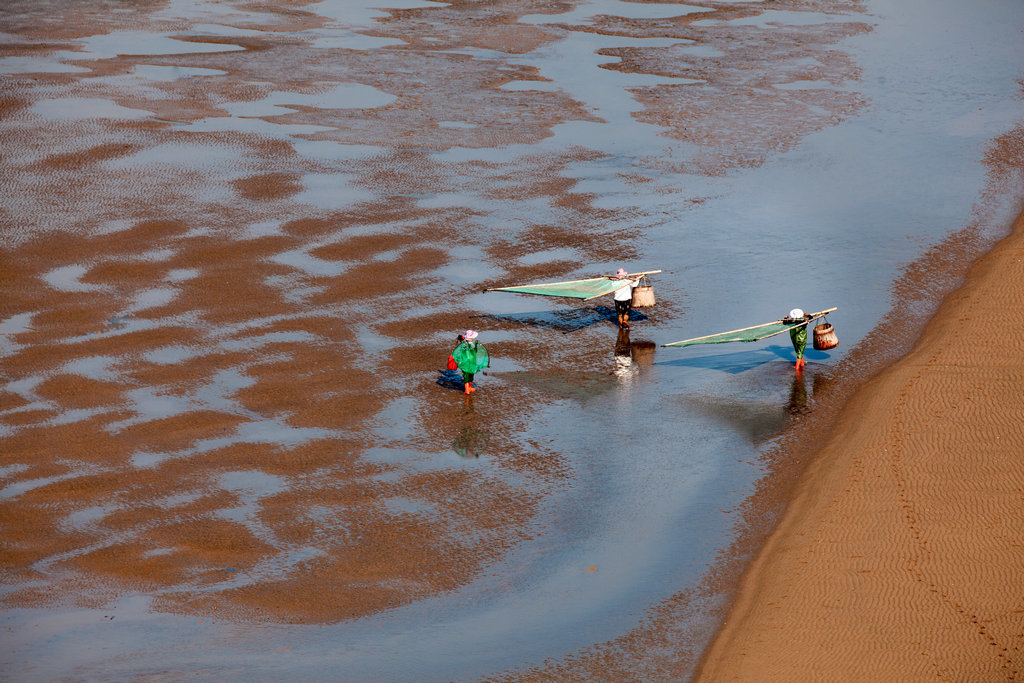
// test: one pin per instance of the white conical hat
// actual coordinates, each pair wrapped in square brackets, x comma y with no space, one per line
[796,313]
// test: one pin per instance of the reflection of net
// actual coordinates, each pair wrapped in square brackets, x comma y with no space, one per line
[470,443]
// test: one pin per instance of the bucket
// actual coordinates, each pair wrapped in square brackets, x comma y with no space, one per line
[825,337]
[643,295]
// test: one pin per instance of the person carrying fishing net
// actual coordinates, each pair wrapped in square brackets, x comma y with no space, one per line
[624,297]
[798,334]
[471,357]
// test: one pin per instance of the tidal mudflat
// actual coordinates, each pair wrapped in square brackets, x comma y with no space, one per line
[239,241]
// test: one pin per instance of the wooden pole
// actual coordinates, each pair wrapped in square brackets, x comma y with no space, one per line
[627,278]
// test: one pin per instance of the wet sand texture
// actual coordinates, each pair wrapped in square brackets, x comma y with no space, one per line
[900,556]
[202,343]
[224,300]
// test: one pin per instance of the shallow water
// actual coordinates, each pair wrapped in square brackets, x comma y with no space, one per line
[592,479]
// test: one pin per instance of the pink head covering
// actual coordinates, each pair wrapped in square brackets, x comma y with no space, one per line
[469,334]
[621,271]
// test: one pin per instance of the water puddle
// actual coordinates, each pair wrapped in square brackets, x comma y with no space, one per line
[36,65]
[85,108]
[127,43]
[586,12]
[243,124]
[152,72]
[329,191]
[348,40]
[341,96]
[10,328]
[779,18]
[68,279]
[93,367]
[366,15]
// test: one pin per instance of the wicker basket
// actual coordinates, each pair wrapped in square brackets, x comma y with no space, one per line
[825,337]
[643,295]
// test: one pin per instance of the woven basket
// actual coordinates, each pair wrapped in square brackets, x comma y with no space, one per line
[643,296]
[825,337]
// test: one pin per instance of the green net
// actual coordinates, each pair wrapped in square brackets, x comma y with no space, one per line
[576,289]
[749,334]
[755,333]
[471,356]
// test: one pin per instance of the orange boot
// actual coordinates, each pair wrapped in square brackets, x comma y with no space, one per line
[469,388]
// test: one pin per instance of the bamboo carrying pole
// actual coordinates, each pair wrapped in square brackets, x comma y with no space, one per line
[626,280]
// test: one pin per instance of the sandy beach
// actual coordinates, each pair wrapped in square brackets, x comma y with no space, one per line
[900,555]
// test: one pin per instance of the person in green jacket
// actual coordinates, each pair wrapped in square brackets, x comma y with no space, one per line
[798,335]
[471,357]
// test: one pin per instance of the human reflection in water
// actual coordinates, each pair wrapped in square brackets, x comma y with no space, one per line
[471,441]
[624,368]
[798,403]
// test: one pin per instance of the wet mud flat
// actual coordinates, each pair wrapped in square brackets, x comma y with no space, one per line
[238,242]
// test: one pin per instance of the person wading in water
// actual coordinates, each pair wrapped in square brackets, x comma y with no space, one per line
[471,357]
[624,298]
[798,335]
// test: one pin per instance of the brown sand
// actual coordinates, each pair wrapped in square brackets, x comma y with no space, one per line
[901,554]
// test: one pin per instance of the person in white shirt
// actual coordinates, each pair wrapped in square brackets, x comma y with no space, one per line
[624,298]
